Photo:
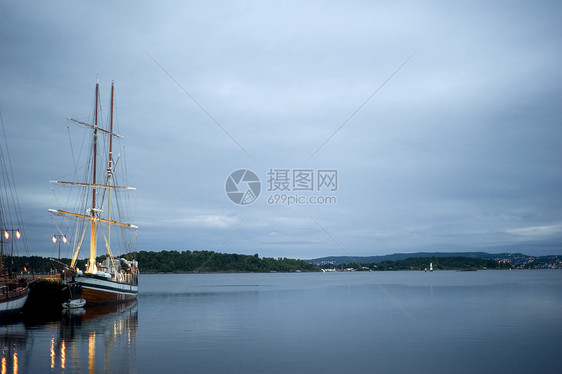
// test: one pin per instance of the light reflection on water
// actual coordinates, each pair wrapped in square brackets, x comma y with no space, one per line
[440,322]
[98,339]
[12,337]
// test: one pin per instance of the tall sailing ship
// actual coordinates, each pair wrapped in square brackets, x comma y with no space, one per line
[99,213]
[13,289]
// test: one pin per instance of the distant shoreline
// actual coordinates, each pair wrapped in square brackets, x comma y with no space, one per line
[208,262]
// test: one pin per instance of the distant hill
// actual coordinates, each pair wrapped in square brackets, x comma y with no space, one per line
[338,260]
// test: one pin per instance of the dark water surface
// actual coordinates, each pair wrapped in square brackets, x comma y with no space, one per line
[376,322]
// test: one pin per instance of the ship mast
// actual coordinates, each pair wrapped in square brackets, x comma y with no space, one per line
[109,179]
[92,261]
[110,167]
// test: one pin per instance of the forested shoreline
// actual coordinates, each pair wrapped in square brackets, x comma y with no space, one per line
[177,262]
[213,262]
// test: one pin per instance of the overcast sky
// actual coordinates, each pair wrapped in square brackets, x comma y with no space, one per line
[442,120]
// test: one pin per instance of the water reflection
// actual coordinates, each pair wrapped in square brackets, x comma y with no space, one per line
[96,339]
[102,336]
[13,337]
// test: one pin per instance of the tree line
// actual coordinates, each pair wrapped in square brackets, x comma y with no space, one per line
[175,262]
[213,262]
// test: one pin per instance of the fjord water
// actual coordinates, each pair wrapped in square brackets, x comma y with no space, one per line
[383,322]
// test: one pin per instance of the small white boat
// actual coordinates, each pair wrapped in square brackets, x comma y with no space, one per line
[74,303]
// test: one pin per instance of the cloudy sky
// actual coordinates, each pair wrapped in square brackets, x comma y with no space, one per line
[442,120]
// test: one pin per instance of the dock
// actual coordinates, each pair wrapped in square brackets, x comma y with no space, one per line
[46,295]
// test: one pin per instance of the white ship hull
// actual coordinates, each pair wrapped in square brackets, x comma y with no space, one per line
[97,290]
[14,303]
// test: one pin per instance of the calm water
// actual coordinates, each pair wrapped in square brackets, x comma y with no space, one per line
[378,322]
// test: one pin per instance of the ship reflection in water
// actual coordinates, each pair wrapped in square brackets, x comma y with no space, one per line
[96,339]
[13,337]
[109,334]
